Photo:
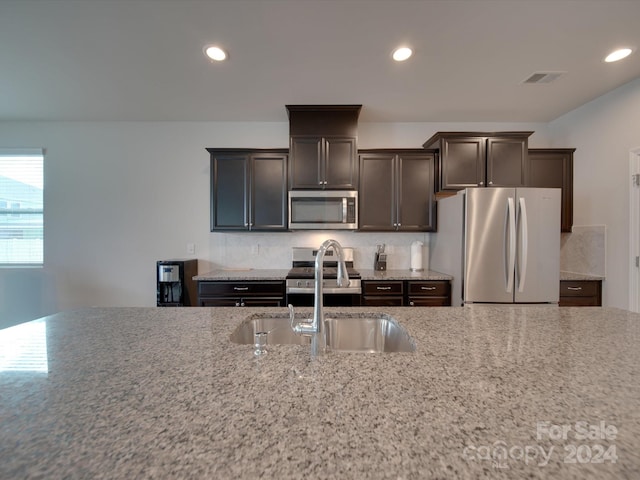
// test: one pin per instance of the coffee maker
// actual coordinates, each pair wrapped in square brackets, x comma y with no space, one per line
[175,284]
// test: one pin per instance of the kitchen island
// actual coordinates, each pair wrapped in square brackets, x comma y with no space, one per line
[499,392]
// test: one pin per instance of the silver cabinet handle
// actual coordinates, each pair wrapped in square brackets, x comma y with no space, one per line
[412,304]
[574,288]
[383,288]
[427,288]
[481,183]
[237,304]
[241,289]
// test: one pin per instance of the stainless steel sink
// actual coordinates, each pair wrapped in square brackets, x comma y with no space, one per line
[345,332]
[278,328]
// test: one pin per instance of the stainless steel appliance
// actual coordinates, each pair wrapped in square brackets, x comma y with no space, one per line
[323,210]
[501,245]
[175,286]
[300,280]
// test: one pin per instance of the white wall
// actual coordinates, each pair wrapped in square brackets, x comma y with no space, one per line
[603,132]
[121,195]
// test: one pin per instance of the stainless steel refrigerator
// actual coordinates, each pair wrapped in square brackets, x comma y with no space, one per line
[501,245]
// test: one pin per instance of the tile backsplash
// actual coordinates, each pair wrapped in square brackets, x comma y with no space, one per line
[583,250]
[273,250]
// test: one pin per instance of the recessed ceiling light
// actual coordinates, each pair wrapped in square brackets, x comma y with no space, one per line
[215,53]
[618,55]
[401,54]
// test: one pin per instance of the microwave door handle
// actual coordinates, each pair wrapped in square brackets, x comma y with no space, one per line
[344,209]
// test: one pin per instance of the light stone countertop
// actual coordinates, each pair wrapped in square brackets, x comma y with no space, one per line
[279,274]
[579,276]
[162,393]
[243,275]
[403,275]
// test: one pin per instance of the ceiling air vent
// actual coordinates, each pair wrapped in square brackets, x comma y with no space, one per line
[543,77]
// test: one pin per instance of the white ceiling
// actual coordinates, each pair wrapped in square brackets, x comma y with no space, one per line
[85,60]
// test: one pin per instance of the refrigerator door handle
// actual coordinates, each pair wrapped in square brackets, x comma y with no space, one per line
[524,252]
[511,263]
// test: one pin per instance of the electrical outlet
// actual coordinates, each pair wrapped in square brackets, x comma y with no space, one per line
[191,248]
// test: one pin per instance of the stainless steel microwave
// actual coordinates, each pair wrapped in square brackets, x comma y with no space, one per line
[323,210]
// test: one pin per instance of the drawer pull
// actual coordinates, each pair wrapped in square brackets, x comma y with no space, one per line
[427,288]
[383,288]
[574,288]
[241,289]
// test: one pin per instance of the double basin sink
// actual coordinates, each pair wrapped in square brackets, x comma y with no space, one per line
[345,332]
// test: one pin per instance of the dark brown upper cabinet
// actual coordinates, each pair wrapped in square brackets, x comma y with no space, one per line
[553,168]
[480,159]
[323,146]
[248,189]
[397,190]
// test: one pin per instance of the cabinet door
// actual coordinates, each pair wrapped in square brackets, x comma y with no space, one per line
[462,162]
[268,192]
[305,166]
[416,196]
[553,168]
[219,302]
[229,183]
[507,162]
[263,302]
[340,163]
[377,201]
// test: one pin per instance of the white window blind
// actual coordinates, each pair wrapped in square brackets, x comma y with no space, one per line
[21,207]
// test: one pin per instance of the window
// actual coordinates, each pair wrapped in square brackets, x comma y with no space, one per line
[21,207]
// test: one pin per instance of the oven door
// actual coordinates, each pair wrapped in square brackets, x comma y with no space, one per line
[329,299]
[323,210]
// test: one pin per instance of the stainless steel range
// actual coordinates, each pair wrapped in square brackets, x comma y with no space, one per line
[300,280]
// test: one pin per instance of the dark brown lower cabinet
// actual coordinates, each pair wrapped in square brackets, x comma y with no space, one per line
[241,294]
[436,293]
[580,293]
[414,293]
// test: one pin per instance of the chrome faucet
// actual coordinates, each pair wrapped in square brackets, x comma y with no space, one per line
[317,323]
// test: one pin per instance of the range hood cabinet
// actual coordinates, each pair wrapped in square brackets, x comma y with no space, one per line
[323,147]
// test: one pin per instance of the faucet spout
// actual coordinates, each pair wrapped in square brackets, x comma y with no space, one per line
[317,323]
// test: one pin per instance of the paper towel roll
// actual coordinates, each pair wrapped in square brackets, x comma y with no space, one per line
[416,256]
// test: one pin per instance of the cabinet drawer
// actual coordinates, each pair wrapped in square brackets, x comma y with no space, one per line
[383,288]
[578,288]
[431,289]
[241,289]
[580,293]
[580,302]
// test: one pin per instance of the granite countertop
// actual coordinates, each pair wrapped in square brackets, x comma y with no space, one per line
[579,276]
[162,393]
[403,275]
[279,274]
[243,274]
